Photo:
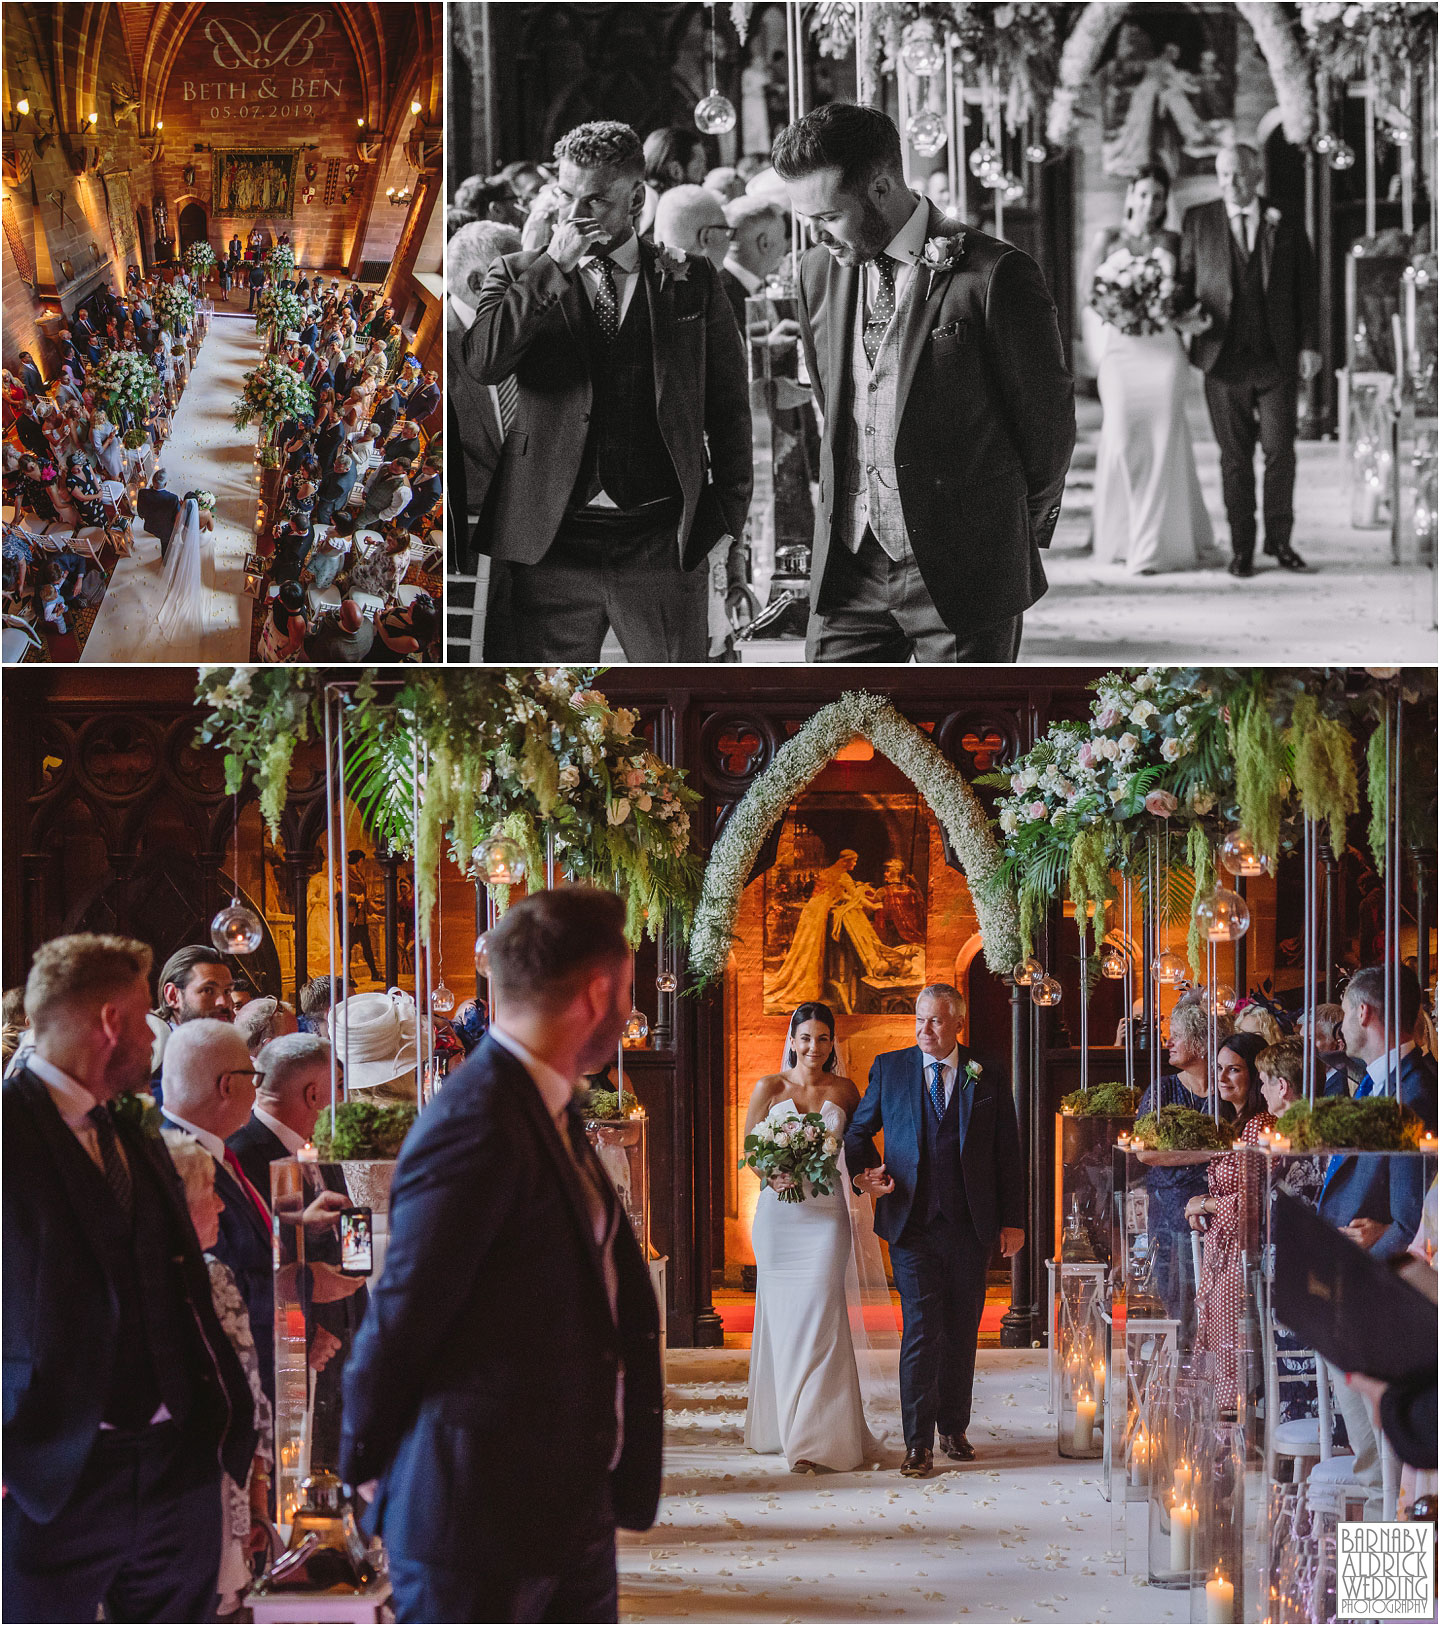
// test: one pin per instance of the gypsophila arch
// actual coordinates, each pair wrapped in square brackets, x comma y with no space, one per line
[947,793]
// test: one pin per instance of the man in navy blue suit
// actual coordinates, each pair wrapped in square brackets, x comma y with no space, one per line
[1377,1201]
[951,1182]
[124,1399]
[505,1385]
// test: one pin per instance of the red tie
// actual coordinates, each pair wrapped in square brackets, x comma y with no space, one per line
[233,1164]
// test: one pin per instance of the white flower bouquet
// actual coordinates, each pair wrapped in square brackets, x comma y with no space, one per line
[200,258]
[206,500]
[1137,293]
[280,261]
[174,307]
[271,393]
[279,310]
[789,1150]
[125,381]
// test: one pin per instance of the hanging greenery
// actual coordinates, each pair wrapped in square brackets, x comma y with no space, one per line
[1323,757]
[1200,863]
[1262,763]
[1379,41]
[257,714]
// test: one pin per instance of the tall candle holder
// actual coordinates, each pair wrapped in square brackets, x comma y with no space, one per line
[1080,1408]
[1179,1415]
[1217,1557]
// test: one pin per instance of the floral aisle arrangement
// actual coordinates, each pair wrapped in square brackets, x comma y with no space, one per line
[507,756]
[871,717]
[174,307]
[279,310]
[792,1150]
[1194,752]
[269,394]
[1136,293]
[280,261]
[200,259]
[1377,40]
[125,381]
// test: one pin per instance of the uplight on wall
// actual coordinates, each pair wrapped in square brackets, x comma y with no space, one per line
[415,107]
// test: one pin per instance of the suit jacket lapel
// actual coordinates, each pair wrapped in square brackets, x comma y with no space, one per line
[84,1183]
[236,1197]
[544,1126]
[662,317]
[1265,244]
[1224,241]
[925,285]
[841,293]
[966,1102]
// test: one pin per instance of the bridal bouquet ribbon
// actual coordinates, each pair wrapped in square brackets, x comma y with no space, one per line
[789,1150]
[1136,293]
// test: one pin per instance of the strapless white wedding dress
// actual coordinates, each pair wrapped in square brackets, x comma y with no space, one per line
[804,1398]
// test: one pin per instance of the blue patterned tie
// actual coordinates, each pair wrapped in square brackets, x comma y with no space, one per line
[937,1088]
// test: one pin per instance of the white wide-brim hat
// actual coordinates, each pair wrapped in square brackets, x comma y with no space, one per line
[382,1030]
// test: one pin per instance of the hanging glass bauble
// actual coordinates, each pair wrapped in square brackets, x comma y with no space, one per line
[1045,991]
[1037,152]
[1222,1001]
[442,999]
[921,50]
[636,1029]
[1113,964]
[667,982]
[236,929]
[1240,855]
[1027,970]
[1014,187]
[482,956]
[1224,916]
[1323,144]
[983,158]
[1003,16]
[1343,157]
[501,861]
[714,114]
[926,133]
[1399,134]
[1170,969]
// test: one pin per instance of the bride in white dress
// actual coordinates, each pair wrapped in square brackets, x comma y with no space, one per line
[805,1392]
[182,617]
[1149,511]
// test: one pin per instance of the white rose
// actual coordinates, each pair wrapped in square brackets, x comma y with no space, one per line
[1127,744]
[1030,778]
[1141,712]
[830,1146]
[569,777]
[1009,820]
[1144,683]
[1170,749]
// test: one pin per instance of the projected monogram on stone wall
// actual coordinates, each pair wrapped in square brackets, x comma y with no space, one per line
[288,44]
[289,69]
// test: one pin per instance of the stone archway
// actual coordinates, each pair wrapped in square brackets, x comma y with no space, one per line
[193,225]
[957,810]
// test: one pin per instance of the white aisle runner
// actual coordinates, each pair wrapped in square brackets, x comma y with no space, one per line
[204,453]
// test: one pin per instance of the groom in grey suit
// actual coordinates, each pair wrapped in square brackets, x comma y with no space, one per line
[951,1182]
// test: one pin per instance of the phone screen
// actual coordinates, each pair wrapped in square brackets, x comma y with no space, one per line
[357,1248]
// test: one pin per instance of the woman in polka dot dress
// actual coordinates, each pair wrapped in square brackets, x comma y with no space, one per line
[1229,1215]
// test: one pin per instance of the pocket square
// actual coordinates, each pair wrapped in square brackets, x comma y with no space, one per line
[951,330]
[690,316]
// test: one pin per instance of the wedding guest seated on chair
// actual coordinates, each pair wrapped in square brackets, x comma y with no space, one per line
[282,636]
[345,636]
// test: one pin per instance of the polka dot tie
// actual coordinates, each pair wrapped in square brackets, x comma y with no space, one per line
[937,1089]
[882,308]
[607,303]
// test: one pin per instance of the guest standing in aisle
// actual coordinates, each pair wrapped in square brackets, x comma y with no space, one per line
[505,1386]
[629,457]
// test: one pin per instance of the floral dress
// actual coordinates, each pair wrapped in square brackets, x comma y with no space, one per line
[235,1501]
[1235,1182]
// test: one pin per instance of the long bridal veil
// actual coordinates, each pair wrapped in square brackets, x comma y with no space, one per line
[182,611]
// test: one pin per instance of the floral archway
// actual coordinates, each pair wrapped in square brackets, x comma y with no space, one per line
[870,717]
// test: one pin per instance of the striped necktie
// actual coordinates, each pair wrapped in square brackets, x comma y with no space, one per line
[507,394]
[117,1172]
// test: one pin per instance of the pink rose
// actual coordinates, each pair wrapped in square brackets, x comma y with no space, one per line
[1036,810]
[1085,756]
[634,778]
[1161,803]
[1108,718]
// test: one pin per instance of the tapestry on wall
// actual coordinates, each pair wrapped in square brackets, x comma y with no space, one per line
[846,903]
[254,183]
[1167,91]
[120,207]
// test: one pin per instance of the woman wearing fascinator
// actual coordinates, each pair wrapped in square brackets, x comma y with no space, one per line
[818,1269]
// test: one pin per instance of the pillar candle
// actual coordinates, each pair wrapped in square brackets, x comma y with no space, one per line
[1181,1519]
[1219,1602]
[1084,1436]
[1183,1475]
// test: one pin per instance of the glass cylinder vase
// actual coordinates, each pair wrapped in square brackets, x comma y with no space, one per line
[1217,1591]
[1179,1415]
[1080,1407]
[1371,456]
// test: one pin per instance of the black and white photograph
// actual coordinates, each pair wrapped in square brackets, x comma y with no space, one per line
[1058,331]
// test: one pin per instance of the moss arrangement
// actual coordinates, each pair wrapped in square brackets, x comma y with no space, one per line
[1102,1101]
[1182,1129]
[363,1130]
[1378,1123]
[610,1104]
